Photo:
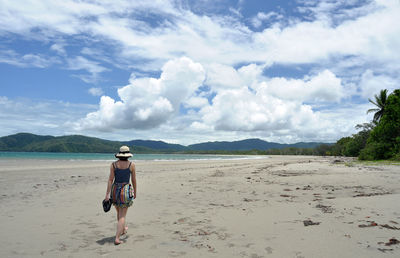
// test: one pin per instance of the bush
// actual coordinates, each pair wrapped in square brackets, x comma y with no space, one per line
[396,157]
[374,151]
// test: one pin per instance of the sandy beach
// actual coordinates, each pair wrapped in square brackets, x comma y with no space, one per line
[272,207]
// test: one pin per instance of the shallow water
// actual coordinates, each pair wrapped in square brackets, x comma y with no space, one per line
[110,156]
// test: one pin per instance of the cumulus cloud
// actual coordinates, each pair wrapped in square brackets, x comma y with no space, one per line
[243,110]
[267,104]
[323,87]
[148,102]
[273,105]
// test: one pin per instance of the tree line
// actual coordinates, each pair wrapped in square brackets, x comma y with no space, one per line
[378,139]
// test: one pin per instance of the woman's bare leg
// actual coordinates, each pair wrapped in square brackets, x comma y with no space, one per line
[125,225]
[121,224]
[116,208]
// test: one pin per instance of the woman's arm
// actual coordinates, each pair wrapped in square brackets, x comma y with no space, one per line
[133,178]
[109,183]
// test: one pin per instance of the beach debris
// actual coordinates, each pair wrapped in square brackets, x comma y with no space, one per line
[307,187]
[383,250]
[181,220]
[392,241]
[370,194]
[389,227]
[222,205]
[337,161]
[310,223]
[202,232]
[394,222]
[287,190]
[347,235]
[324,208]
[371,224]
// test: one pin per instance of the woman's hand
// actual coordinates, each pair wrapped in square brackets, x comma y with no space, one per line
[107,198]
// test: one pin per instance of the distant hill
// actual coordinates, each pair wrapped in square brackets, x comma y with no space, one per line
[249,144]
[73,143]
[156,145]
[84,144]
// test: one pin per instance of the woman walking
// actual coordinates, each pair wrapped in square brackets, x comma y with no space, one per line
[122,194]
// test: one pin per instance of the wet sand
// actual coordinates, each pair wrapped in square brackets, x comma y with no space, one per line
[283,206]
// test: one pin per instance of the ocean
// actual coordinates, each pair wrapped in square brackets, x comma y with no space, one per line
[110,156]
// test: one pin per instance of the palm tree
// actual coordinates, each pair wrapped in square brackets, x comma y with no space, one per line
[380,102]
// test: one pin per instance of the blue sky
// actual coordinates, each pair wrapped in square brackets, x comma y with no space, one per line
[188,71]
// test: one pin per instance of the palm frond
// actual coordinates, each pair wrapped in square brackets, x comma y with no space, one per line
[372,110]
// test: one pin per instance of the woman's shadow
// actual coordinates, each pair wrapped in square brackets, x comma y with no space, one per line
[110,240]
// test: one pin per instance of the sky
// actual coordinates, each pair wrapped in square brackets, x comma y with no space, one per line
[189,71]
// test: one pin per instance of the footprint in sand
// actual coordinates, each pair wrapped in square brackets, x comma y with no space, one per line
[176,254]
[269,250]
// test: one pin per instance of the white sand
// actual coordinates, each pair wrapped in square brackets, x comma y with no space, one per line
[241,208]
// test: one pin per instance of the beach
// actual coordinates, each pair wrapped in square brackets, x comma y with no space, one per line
[278,206]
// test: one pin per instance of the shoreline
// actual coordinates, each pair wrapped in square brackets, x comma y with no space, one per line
[219,208]
[57,156]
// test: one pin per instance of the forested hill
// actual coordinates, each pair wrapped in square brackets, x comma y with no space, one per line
[73,143]
[83,144]
[249,144]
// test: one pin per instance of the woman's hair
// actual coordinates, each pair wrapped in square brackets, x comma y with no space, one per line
[123,158]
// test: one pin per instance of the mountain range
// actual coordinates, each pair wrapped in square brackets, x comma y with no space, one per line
[84,144]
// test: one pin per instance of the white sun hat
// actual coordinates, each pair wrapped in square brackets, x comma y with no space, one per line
[124,152]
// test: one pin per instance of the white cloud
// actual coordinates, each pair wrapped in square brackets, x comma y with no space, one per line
[196,102]
[272,105]
[371,84]
[81,63]
[59,48]
[258,20]
[95,91]
[27,60]
[222,40]
[323,87]
[40,117]
[148,102]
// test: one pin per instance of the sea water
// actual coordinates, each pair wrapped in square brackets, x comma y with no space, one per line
[110,156]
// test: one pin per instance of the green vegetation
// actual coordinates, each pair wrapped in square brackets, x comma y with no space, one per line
[380,103]
[78,143]
[379,139]
[384,139]
[74,143]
